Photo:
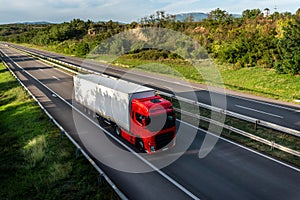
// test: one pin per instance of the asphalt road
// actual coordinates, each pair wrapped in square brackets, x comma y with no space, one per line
[259,108]
[227,172]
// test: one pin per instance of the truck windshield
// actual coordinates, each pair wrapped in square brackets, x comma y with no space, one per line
[156,123]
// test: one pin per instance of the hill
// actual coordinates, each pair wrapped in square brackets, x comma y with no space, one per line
[32,23]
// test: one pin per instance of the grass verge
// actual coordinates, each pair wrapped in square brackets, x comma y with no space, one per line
[253,80]
[34,162]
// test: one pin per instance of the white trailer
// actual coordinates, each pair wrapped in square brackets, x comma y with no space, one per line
[109,97]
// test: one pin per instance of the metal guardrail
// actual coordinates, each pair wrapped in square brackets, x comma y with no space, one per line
[236,115]
[63,131]
[272,144]
[212,108]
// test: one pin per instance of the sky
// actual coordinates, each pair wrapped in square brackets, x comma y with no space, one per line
[57,11]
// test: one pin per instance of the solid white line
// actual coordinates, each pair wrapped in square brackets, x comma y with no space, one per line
[243,147]
[259,111]
[179,186]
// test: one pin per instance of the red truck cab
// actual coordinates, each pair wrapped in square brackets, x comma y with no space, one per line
[152,124]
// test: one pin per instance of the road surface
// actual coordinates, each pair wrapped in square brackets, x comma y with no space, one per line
[228,172]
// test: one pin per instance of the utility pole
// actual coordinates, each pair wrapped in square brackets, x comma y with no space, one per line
[275,7]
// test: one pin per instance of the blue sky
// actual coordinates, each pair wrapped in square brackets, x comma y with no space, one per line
[124,11]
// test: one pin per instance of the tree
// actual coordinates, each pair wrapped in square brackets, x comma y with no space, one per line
[218,15]
[251,14]
[289,47]
[82,49]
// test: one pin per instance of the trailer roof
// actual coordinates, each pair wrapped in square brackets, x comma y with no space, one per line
[114,83]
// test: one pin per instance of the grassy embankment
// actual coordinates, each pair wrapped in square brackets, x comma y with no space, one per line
[253,80]
[34,162]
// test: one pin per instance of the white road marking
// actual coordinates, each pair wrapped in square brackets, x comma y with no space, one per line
[259,111]
[56,78]
[264,103]
[243,147]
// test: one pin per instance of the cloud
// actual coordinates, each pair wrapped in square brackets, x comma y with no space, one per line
[124,10]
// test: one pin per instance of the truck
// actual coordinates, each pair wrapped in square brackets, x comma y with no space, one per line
[137,113]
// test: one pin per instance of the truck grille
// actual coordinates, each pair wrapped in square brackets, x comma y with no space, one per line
[162,140]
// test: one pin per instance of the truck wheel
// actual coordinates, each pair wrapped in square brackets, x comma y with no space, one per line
[140,145]
[118,131]
[100,120]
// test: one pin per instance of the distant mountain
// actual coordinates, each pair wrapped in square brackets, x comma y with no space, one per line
[197,16]
[42,22]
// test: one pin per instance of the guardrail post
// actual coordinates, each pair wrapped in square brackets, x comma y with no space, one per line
[100,179]
[256,124]
[172,98]
[77,152]
[272,145]
[42,110]
[230,130]
[195,106]
[61,134]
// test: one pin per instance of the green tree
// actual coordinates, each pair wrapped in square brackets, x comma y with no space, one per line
[289,47]
[251,14]
[82,49]
[218,15]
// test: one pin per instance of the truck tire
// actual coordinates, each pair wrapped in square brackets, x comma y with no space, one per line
[100,120]
[140,145]
[118,131]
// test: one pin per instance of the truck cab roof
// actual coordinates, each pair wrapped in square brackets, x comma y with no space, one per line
[152,105]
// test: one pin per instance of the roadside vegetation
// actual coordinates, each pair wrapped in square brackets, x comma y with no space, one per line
[254,53]
[35,163]
[255,80]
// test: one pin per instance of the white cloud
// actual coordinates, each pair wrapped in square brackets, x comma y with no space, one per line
[121,10]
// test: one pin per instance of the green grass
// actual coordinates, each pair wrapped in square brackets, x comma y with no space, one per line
[34,162]
[255,80]
[263,82]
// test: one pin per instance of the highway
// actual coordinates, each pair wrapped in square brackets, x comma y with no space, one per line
[228,172]
[283,114]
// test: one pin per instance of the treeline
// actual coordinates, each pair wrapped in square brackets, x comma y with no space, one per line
[76,37]
[271,41]
[253,39]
